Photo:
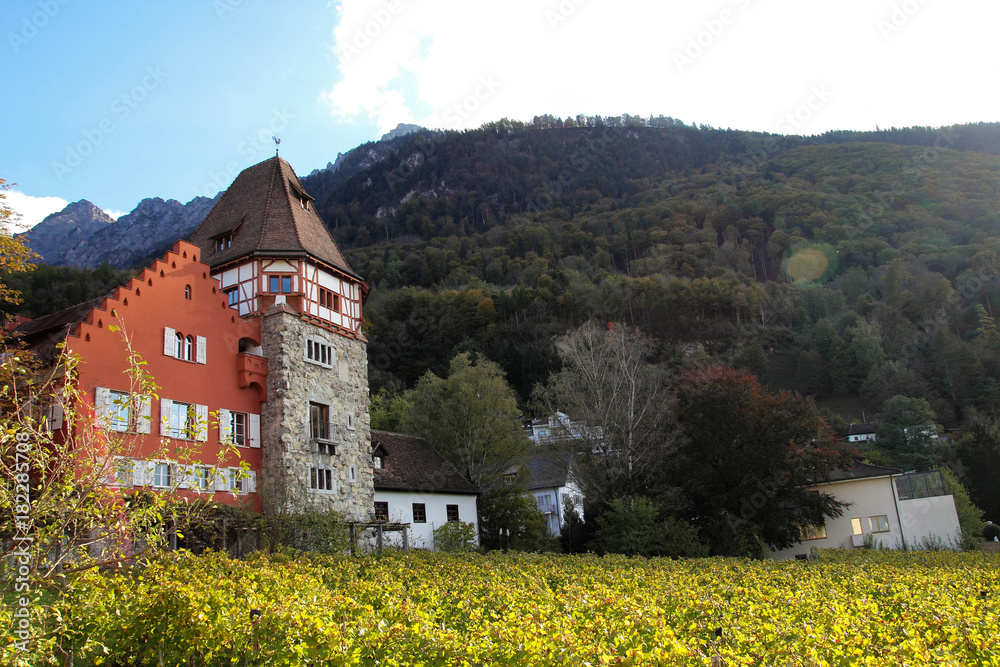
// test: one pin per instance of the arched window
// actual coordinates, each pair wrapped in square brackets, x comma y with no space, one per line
[179,346]
[187,291]
[189,348]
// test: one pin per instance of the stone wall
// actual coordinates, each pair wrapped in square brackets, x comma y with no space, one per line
[287,450]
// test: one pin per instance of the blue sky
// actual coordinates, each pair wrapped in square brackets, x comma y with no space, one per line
[117,101]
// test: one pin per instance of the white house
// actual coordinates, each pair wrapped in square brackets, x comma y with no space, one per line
[860,433]
[414,484]
[551,484]
[559,428]
[885,507]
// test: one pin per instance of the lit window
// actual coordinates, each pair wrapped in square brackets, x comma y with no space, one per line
[812,533]
[452,513]
[419,513]
[381,510]
[870,524]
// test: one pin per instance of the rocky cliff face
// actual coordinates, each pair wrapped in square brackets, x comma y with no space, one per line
[66,230]
[83,235]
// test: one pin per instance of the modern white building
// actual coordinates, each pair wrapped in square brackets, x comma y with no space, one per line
[415,485]
[884,508]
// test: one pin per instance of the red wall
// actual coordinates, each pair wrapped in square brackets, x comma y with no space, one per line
[143,307]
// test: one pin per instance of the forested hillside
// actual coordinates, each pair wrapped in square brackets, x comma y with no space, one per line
[850,264]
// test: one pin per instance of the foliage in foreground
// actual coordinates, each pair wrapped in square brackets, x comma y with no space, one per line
[872,608]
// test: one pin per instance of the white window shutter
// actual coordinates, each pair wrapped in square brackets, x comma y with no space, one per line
[169,341]
[221,479]
[102,404]
[145,415]
[166,405]
[200,352]
[55,415]
[138,473]
[251,482]
[201,411]
[254,430]
[225,426]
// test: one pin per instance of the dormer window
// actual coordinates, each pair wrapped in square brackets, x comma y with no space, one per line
[378,456]
[304,203]
[223,242]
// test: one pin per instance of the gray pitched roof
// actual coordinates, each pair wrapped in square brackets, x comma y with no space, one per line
[412,464]
[548,469]
[262,210]
[860,429]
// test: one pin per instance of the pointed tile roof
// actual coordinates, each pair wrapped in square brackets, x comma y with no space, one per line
[263,210]
[412,464]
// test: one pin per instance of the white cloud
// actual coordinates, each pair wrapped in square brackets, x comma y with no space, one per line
[113,213]
[751,63]
[33,209]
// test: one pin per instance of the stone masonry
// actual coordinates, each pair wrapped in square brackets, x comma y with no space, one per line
[292,383]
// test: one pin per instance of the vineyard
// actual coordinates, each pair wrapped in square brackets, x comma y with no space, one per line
[860,608]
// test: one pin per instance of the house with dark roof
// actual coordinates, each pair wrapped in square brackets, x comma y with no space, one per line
[551,484]
[252,330]
[860,433]
[414,484]
[885,507]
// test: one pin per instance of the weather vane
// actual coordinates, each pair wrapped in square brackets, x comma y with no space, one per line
[277,143]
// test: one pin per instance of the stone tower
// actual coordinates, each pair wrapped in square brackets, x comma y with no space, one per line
[276,261]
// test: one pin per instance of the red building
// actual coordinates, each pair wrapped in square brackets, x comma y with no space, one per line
[252,333]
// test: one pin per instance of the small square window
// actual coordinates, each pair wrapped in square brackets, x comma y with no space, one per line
[419,513]
[452,511]
[233,295]
[378,462]
[381,511]
[279,284]
[321,479]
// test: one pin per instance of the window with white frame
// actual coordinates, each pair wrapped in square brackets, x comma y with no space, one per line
[121,411]
[319,351]
[185,421]
[188,347]
[201,476]
[321,479]
[123,473]
[162,475]
[239,428]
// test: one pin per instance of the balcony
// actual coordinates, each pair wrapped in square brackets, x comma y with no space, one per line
[251,371]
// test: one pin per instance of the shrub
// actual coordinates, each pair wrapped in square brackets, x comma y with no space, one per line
[455,536]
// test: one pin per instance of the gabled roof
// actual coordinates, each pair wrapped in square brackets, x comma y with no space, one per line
[262,210]
[863,471]
[860,429]
[548,470]
[43,334]
[412,464]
